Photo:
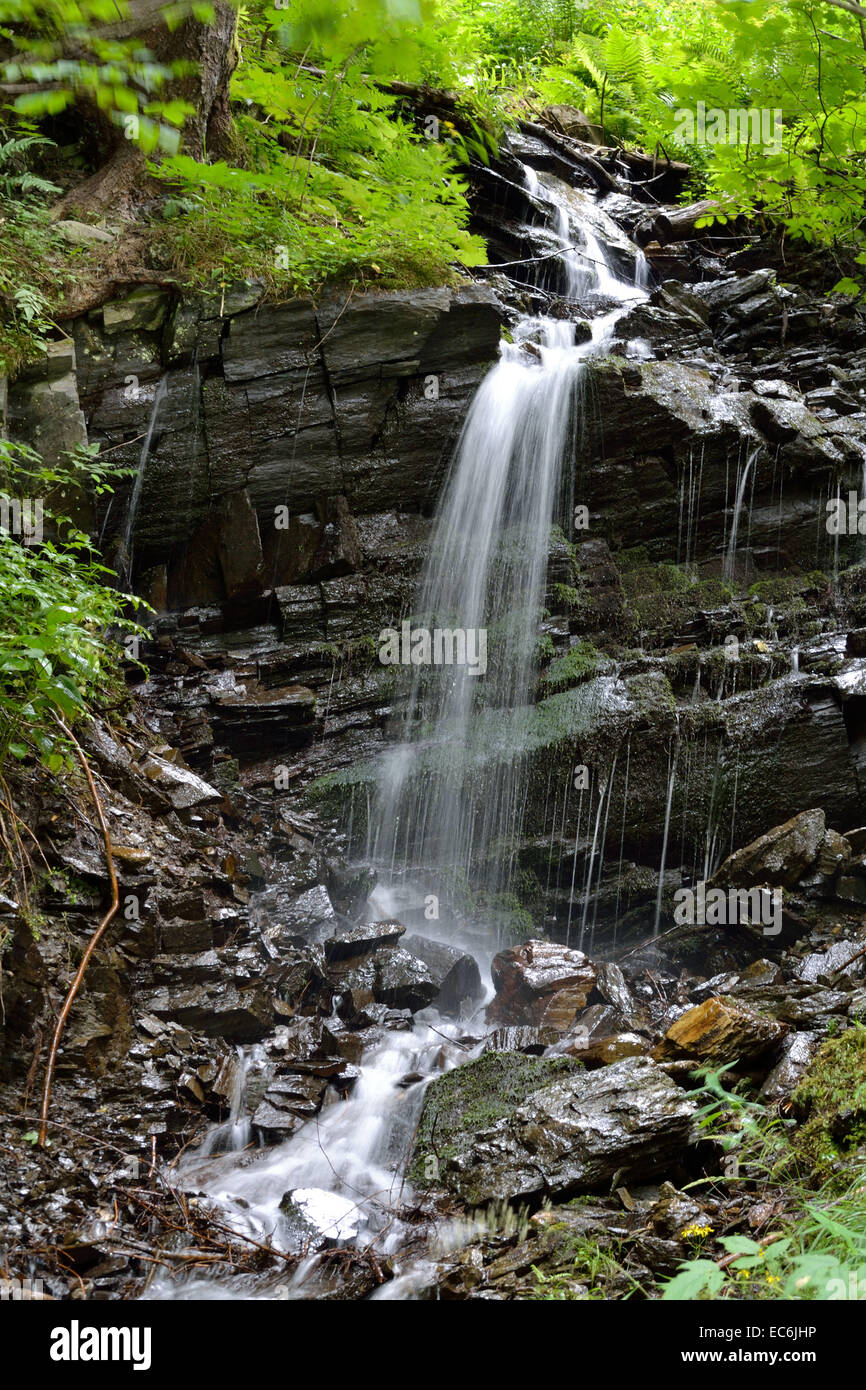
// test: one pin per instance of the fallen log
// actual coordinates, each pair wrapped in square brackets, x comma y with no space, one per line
[572,151]
[675,224]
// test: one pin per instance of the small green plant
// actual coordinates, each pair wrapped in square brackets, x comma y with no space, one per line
[58,650]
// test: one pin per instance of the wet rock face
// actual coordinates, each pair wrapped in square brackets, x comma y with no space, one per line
[509,1126]
[341,390]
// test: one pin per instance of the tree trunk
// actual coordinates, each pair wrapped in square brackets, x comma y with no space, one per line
[212,49]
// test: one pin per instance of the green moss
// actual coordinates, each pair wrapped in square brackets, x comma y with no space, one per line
[567,595]
[643,580]
[636,557]
[832,1100]
[652,694]
[712,593]
[578,664]
[779,589]
[474,1097]
[754,617]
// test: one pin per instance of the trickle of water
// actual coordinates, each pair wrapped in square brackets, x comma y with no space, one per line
[731,556]
[132,509]
[235,1133]
[668,804]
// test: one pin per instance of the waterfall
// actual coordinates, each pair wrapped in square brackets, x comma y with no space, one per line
[448,799]
[451,795]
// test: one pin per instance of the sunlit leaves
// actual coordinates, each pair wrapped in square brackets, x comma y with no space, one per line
[62,50]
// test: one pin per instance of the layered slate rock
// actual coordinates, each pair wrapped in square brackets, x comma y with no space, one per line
[508,1126]
[219,1010]
[251,717]
[347,942]
[292,403]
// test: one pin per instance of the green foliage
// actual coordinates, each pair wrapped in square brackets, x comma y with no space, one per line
[332,181]
[636,66]
[333,174]
[587,1278]
[57,52]
[821,1251]
[822,1258]
[24,320]
[57,611]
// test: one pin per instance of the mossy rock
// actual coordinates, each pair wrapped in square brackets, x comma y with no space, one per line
[778,589]
[832,1100]
[652,695]
[473,1097]
[578,664]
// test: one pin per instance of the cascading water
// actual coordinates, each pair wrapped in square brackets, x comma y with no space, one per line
[449,798]
[731,556]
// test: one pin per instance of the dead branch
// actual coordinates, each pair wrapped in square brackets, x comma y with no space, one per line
[91,945]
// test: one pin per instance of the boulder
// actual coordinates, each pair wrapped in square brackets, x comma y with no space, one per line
[780,858]
[273,1124]
[507,1126]
[613,1048]
[308,917]
[797,1052]
[540,981]
[719,1031]
[299,1094]
[390,977]
[143,310]
[83,234]
[532,1041]
[573,122]
[820,964]
[454,971]
[612,986]
[348,942]
[315,1219]
[183,787]
[402,981]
